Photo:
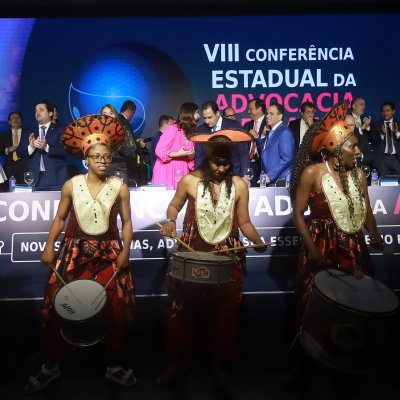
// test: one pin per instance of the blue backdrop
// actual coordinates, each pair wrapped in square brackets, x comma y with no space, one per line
[80,64]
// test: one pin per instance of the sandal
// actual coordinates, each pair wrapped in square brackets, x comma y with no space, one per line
[121,376]
[172,375]
[39,381]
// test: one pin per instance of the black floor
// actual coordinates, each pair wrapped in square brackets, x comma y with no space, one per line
[264,338]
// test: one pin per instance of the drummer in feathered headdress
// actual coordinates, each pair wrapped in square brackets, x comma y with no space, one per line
[91,247]
[326,179]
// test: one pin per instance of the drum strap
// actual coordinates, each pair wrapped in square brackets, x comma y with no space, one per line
[93,213]
[339,207]
[215,223]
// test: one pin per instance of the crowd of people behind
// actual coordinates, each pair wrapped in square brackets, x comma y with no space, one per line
[167,156]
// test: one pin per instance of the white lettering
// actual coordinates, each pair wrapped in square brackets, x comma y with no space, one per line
[23,214]
[263,206]
[282,205]
[379,208]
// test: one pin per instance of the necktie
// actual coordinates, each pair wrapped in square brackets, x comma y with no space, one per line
[255,126]
[42,136]
[253,146]
[15,144]
[267,134]
[43,133]
[389,142]
[214,129]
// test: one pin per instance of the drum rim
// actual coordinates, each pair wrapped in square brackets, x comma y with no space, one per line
[223,258]
[346,307]
[356,310]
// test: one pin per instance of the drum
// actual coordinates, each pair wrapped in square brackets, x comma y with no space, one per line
[200,267]
[347,321]
[80,305]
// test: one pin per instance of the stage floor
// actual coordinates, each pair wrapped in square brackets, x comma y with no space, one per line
[265,333]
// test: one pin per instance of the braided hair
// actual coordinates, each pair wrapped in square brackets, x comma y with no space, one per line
[215,151]
[302,159]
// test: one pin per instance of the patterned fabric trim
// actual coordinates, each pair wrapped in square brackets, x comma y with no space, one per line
[214,223]
[93,213]
[339,206]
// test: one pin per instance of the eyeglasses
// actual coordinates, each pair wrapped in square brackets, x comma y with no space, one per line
[99,157]
[230,116]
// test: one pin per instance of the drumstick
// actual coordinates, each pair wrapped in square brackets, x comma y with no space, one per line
[241,247]
[103,289]
[179,240]
[65,284]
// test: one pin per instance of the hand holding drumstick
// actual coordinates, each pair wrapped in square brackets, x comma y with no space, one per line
[166,230]
[259,248]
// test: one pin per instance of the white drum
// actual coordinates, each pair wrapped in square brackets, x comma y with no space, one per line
[347,321]
[80,305]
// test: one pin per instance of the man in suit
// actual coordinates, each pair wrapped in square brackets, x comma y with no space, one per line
[42,144]
[163,122]
[300,125]
[213,122]
[256,127]
[124,159]
[362,131]
[229,113]
[277,147]
[386,136]
[9,141]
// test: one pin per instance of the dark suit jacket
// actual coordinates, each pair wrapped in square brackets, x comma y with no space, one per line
[364,137]
[11,167]
[154,141]
[240,156]
[54,160]
[380,143]
[255,162]
[129,146]
[295,128]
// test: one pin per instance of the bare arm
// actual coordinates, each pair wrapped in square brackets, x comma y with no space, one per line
[182,152]
[176,204]
[58,224]
[125,213]
[242,210]
[306,185]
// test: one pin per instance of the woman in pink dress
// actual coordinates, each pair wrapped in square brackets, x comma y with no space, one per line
[175,152]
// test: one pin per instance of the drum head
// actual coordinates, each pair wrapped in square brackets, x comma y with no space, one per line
[201,256]
[365,294]
[74,300]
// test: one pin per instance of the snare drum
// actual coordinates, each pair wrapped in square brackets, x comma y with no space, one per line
[200,267]
[81,321]
[347,321]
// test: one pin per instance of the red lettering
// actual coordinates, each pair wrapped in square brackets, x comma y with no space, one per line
[286,104]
